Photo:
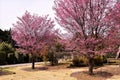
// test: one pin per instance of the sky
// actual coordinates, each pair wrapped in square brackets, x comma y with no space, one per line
[11,9]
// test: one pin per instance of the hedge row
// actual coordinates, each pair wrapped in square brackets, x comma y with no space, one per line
[8,55]
[80,61]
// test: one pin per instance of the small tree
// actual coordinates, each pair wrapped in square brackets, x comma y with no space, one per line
[86,21]
[32,33]
[55,52]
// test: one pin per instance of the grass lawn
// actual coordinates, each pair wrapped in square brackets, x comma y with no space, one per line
[60,72]
[6,71]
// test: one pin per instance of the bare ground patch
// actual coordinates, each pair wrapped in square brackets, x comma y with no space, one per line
[99,74]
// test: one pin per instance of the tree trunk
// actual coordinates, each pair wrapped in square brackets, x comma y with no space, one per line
[33,62]
[91,65]
[52,62]
[118,53]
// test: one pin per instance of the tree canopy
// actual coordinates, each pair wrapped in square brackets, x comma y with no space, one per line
[32,33]
[87,21]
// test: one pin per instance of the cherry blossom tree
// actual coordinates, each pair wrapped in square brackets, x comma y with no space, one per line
[86,21]
[32,33]
[114,20]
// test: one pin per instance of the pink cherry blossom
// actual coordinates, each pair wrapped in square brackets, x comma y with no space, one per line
[88,23]
[33,32]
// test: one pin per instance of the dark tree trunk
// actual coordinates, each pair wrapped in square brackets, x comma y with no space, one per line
[33,62]
[91,62]
[91,65]
[52,62]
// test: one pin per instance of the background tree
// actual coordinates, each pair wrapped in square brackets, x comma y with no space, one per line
[32,33]
[114,20]
[5,36]
[55,53]
[52,52]
[87,24]
[5,51]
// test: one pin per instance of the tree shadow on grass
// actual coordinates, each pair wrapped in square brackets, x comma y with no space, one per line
[36,69]
[47,67]
[103,74]
[98,75]
[6,72]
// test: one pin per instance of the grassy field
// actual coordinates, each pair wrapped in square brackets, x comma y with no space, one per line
[60,72]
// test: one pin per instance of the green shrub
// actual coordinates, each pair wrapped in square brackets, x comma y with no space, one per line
[26,58]
[8,55]
[19,57]
[104,59]
[5,50]
[22,58]
[2,57]
[111,55]
[79,61]
[99,60]
[52,57]
[11,59]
